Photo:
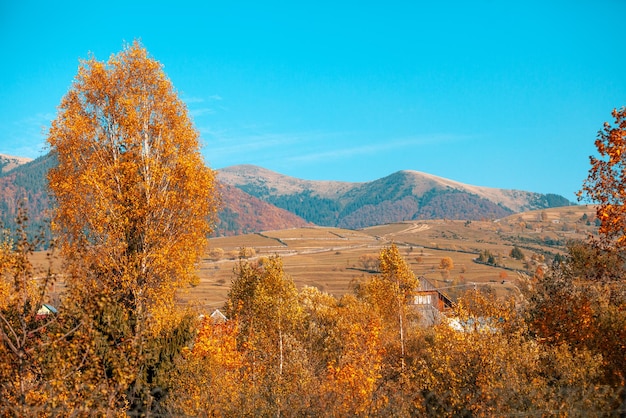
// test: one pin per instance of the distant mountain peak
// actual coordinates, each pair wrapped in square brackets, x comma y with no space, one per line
[267,182]
[9,162]
[400,196]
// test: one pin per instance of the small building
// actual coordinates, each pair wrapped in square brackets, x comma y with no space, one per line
[46,310]
[480,324]
[217,317]
[430,302]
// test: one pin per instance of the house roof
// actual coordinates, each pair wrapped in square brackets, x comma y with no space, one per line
[46,310]
[218,316]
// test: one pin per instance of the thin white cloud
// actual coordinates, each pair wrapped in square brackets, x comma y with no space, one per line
[237,145]
[27,137]
[225,148]
[195,99]
[202,111]
[375,147]
[258,145]
[208,109]
[229,148]
[191,100]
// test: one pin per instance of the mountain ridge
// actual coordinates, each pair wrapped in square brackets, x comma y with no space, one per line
[507,197]
[257,199]
[260,176]
[9,162]
[403,195]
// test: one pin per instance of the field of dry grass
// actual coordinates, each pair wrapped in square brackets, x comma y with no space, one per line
[332,258]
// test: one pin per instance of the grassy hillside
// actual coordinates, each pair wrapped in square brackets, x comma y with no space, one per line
[9,162]
[332,258]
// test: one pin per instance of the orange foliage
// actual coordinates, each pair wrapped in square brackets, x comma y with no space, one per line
[209,377]
[219,343]
[446,263]
[133,193]
[351,380]
[606,182]
[134,205]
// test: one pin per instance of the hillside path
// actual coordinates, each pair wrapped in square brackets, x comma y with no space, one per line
[412,228]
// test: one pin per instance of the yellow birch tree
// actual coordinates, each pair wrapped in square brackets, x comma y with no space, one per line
[264,300]
[352,377]
[134,204]
[390,293]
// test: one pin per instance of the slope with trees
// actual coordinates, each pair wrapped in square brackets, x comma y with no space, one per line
[8,162]
[27,184]
[239,213]
[401,196]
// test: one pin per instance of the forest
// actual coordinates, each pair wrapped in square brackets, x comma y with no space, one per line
[134,206]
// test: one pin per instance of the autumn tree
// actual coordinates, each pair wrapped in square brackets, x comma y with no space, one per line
[395,270]
[368,261]
[246,252]
[486,256]
[597,267]
[209,377]
[134,202]
[216,253]
[606,182]
[21,378]
[582,303]
[487,365]
[517,253]
[41,352]
[354,369]
[446,264]
[390,294]
[264,301]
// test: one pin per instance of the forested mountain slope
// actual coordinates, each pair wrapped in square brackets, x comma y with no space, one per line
[9,162]
[240,213]
[404,195]
[26,184]
[256,199]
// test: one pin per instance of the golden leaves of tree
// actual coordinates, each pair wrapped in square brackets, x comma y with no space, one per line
[446,264]
[390,293]
[40,353]
[488,366]
[134,197]
[21,333]
[134,206]
[208,377]
[352,377]
[265,302]
[606,182]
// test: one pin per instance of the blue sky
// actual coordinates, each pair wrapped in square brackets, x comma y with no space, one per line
[491,93]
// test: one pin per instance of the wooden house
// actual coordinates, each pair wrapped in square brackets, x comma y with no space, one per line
[430,302]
